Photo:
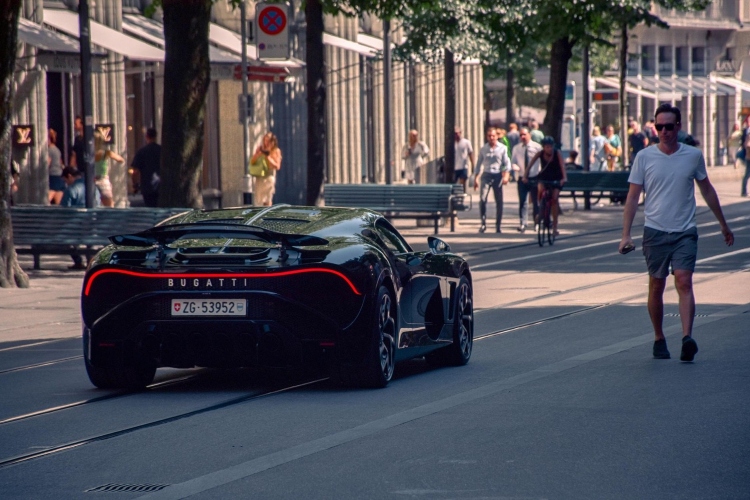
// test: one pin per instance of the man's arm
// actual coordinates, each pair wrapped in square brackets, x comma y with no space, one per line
[628,214]
[712,200]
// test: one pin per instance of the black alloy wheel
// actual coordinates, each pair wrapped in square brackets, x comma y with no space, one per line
[381,360]
[458,352]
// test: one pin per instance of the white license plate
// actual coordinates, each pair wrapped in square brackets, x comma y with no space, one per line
[208,307]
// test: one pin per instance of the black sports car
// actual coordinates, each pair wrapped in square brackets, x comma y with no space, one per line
[273,286]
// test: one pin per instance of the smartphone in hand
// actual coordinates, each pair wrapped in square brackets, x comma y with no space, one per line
[627,249]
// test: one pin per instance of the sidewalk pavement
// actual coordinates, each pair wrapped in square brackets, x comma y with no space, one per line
[50,307]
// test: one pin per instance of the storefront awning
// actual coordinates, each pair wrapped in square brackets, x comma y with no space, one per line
[229,40]
[343,43]
[44,39]
[104,36]
[153,31]
[670,88]
[736,83]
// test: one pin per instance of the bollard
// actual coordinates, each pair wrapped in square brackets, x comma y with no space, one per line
[247,194]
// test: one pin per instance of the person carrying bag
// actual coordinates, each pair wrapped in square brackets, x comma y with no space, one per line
[263,166]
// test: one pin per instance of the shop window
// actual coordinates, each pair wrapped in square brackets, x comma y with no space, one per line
[665,60]
[648,59]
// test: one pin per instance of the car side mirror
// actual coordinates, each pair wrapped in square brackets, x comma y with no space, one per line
[437,246]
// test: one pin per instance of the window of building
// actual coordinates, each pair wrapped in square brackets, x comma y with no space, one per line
[648,59]
[665,60]
[682,61]
[699,63]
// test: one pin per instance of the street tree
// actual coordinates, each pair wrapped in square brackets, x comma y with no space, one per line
[566,23]
[11,274]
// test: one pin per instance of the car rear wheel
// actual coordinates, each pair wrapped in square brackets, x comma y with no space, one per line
[133,376]
[380,362]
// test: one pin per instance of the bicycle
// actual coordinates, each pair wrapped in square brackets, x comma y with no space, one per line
[544,226]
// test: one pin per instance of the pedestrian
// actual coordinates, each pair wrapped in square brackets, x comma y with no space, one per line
[102,155]
[551,170]
[637,141]
[54,167]
[264,164]
[667,174]
[650,132]
[147,162]
[734,145]
[536,134]
[414,154]
[15,175]
[74,196]
[613,148]
[495,156]
[524,151]
[78,153]
[598,160]
[513,135]
[571,163]
[743,191]
[464,155]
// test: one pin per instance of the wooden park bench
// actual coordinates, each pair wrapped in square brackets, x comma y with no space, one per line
[52,230]
[402,201]
[598,184]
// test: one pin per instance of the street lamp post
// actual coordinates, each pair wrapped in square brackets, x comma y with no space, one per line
[87,162]
[247,195]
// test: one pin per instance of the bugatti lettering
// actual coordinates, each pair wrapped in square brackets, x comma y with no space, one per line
[226,283]
[181,307]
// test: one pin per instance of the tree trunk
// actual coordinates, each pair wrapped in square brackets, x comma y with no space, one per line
[11,274]
[450,117]
[511,102]
[187,74]
[562,51]
[316,102]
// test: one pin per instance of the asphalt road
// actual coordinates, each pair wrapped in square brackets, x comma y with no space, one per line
[561,398]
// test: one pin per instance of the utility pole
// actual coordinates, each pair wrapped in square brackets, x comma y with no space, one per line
[585,123]
[247,195]
[387,99]
[623,95]
[86,100]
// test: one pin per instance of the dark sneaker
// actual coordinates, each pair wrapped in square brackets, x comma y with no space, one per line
[689,348]
[660,349]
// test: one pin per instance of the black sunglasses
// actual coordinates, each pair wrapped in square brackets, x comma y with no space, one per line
[668,126]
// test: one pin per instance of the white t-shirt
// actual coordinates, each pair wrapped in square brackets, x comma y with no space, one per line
[669,184]
[463,150]
[519,158]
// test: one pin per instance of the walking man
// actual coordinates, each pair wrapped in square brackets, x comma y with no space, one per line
[148,163]
[464,158]
[670,237]
[523,152]
[495,156]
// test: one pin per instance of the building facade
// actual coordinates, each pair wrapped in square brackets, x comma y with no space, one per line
[128,88]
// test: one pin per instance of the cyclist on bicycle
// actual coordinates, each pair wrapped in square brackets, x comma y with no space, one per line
[551,175]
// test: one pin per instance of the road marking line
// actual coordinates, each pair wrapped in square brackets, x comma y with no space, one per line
[264,463]
[590,245]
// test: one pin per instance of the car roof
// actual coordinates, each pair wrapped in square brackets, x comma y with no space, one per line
[286,219]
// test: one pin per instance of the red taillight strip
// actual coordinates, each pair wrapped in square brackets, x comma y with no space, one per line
[220,275]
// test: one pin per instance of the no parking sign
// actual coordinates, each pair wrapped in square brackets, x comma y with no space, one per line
[272,30]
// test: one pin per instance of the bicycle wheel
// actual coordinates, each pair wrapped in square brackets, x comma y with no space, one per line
[543,216]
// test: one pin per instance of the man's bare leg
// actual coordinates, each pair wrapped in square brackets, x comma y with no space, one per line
[656,304]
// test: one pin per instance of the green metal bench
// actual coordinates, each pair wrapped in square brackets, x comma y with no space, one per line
[598,184]
[50,230]
[404,201]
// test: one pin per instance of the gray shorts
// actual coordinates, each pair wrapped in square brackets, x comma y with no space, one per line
[662,249]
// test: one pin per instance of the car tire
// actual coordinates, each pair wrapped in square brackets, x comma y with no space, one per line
[133,377]
[379,364]
[458,352]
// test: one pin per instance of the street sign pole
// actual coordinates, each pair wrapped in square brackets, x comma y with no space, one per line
[387,99]
[86,99]
[247,195]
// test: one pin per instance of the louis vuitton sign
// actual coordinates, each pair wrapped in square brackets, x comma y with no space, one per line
[108,132]
[23,136]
